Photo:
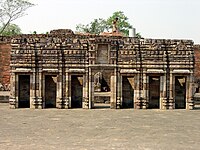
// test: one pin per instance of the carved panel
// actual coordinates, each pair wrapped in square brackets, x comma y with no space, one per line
[102,54]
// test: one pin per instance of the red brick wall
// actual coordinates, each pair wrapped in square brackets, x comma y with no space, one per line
[197,61]
[5,63]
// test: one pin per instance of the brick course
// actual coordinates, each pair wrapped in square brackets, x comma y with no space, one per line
[197,62]
[5,49]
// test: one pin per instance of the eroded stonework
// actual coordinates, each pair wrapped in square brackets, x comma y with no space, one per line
[67,70]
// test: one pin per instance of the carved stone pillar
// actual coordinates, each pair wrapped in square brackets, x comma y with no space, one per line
[59,97]
[34,96]
[138,94]
[118,88]
[161,92]
[66,100]
[86,90]
[145,91]
[165,99]
[40,91]
[119,91]
[37,90]
[113,98]
[190,102]
[12,99]
[91,90]
[171,90]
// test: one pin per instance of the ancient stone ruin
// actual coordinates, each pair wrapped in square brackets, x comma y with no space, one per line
[67,70]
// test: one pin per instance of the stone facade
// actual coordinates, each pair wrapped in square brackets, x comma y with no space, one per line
[67,70]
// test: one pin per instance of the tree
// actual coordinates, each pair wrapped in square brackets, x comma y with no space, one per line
[11,10]
[11,29]
[123,24]
[95,27]
[100,25]
[138,35]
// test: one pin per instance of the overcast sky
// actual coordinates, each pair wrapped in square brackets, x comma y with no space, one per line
[170,19]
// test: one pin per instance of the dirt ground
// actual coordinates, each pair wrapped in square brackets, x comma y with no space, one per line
[46,129]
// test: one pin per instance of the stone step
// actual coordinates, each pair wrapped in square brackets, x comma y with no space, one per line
[4,99]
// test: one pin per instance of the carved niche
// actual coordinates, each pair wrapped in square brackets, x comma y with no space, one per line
[97,82]
[102,54]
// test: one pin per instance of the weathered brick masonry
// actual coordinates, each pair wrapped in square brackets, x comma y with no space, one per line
[197,62]
[5,49]
[197,67]
[67,70]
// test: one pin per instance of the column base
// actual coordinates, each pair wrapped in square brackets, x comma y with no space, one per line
[190,104]
[113,105]
[65,103]
[138,103]
[59,103]
[12,103]
[144,104]
[37,102]
[86,102]
[168,103]
[171,103]
[118,106]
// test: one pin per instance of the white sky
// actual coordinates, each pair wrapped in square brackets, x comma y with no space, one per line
[170,19]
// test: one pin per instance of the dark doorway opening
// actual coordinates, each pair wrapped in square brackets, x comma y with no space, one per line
[154,92]
[127,92]
[76,91]
[50,91]
[180,92]
[24,91]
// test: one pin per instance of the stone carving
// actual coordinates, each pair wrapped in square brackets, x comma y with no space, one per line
[4,87]
[97,82]
[115,29]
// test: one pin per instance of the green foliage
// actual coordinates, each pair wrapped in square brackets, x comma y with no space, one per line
[100,25]
[138,35]
[11,29]
[95,27]
[123,24]
[11,10]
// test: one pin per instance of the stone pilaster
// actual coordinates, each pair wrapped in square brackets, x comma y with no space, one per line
[59,96]
[161,91]
[164,99]
[69,91]
[36,90]
[138,94]
[145,91]
[40,101]
[33,90]
[12,99]
[119,91]
[171,104]
[66,100]
[118,88]
[114,99]
[86,90]
[91,90]
[189,101]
